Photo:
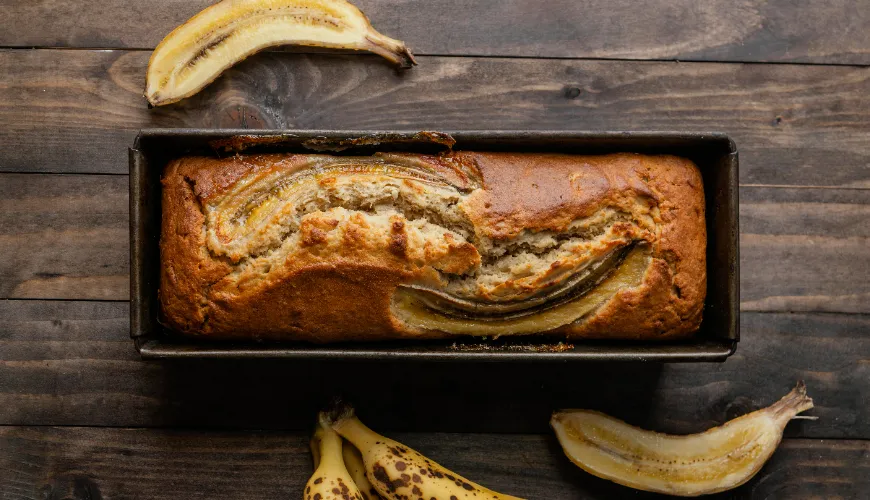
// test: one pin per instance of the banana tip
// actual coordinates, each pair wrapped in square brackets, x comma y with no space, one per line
[408,59]
[794,402]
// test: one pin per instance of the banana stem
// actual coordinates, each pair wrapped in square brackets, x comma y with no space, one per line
[330,448]
[393,50]
[792,403]
[356,432]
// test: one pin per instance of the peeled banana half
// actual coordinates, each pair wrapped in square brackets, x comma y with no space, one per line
[396,471]
[197,52]
[719,459]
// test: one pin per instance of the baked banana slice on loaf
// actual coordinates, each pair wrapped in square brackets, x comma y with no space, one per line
[332,248]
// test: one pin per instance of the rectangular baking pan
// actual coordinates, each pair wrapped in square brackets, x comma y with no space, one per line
[714,153]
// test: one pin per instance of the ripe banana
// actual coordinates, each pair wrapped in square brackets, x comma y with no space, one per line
[330,481]
[354,463]
[397,471]
[722,458]
[198,51]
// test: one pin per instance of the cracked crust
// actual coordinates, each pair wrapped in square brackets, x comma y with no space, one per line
[333,277]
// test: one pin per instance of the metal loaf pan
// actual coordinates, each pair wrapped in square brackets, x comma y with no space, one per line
[714,153]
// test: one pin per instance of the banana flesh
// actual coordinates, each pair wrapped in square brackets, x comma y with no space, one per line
[719,459]
[397,471]
[331,480]
[197,52]
[407,307]
[556,293]
[354,463]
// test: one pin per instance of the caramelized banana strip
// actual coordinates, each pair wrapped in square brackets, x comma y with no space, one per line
[409,308]
[580,282]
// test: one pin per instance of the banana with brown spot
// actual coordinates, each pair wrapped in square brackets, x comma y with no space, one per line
[331,480]
[397,471]
[354,463]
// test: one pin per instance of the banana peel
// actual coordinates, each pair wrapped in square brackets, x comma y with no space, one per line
[396,471]
[357,469]
[331,479]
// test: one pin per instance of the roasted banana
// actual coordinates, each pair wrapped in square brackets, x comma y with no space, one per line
[198,51]
[357,469]
[722,458]
[331,480]
[397,471]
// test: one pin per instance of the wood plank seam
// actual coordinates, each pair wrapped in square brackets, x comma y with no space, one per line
[310,51]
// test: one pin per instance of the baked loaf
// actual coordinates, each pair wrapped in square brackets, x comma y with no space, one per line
[329,248]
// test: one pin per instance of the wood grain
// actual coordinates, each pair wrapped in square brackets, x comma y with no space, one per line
[78,111]
[93,463]
[829,31]
[65,237]
[71,363]
[801,249]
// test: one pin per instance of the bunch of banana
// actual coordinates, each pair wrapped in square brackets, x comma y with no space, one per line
[722,458]
[397,471]
[380,467]
[198,51]
[331,480]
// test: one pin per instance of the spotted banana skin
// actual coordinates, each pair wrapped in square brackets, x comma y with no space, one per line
[331,480]
[354,463]
[399,472]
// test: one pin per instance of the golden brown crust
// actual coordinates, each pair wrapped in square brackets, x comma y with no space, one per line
[338,281]
[549,191]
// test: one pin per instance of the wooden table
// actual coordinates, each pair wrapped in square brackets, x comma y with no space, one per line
[82,417]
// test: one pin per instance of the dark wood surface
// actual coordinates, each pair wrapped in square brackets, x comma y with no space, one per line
[73,462]
[825,31]
[82,417]
[794,124]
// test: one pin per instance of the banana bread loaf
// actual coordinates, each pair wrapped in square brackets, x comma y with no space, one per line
[396,245]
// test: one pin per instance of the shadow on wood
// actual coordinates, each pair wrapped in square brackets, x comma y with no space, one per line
[442,397]
[71,486]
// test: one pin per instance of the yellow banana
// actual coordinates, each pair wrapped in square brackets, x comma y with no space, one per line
[719,459]
[354,463]
[397,471]
[198,51]
[331,480]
